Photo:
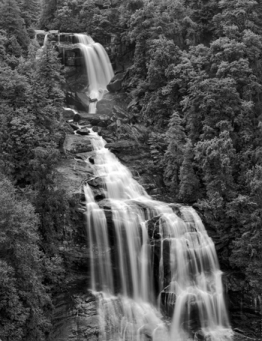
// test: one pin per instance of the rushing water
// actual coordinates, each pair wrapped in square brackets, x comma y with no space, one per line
[98,68]
[137,277]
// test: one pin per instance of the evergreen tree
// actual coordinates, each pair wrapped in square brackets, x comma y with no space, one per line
[30,10]
[47,97]
[11,21]
[48,12]
[176,139]
[189,185]
[23,297]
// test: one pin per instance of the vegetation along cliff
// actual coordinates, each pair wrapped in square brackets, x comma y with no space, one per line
[182,112]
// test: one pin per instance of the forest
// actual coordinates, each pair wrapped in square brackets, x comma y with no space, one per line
[194,72]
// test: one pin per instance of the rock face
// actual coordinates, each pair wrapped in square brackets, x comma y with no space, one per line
[75,318]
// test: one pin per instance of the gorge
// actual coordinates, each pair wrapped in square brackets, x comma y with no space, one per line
[130,208]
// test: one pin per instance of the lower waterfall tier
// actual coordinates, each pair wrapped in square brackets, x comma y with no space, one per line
[154,259]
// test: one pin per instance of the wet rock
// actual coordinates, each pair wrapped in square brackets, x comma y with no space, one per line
[75,318]
[77,118]
[96,182]
[69,177]
[68,114]
[115,85]
[176,208]
[153,228]
[199,336]
[74,126]
[84,131]
[84,156]
[121,145]
[167,302]
[83,100]
[104,121]
[99,194]
[77,144]
[81,166]
[105,205]
[105,106]
[96,129]
[92,119]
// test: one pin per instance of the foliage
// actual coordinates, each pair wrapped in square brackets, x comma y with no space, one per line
[12,22]
[30,136]
[24,300]
[194,73]
[196,78]
[30,10]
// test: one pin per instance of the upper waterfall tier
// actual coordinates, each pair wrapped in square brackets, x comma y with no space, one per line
[98,67]
[89,61]
[179,262]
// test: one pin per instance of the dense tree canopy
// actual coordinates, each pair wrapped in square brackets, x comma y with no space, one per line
[193,72]
[31,101]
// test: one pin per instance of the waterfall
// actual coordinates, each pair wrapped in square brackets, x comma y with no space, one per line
[45,40]
[153,258]
[98,68]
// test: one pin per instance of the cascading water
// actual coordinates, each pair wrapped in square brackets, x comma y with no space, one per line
[40,51]
[45,40]
[98,68]
[131,271]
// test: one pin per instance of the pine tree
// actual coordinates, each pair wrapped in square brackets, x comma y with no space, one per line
[30,10]
[176,140]
[23,299]
[189,186]
[11,21]
[49,8]
[47,97]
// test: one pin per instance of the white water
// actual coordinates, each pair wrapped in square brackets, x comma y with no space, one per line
[98,67]
[124,279]
[40,51]
[45,40]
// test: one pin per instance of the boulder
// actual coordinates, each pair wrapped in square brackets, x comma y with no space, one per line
[68,114]
[77,144]
[115,86]
[83,131]
[105,105]
[74,126]
[96,182]
[116,83]
[99,193]
[96,129]
[76,118]
[84,156]
[121,145]
[70,175]
[83,99]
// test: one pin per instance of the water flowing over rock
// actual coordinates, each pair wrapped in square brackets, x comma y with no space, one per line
[151,270]
[140,261]
[88,69]
[98,68]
